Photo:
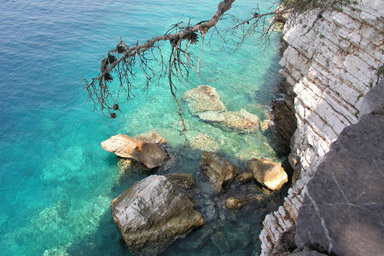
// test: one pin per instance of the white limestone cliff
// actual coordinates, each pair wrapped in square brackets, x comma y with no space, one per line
[330,67]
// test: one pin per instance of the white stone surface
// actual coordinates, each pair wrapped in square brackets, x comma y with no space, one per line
[330,68]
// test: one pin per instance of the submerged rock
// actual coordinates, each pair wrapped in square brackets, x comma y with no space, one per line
[238,120]
[203,98]
[150,154]
[218,170]
[268,173]
[220,242]
[182,180]
[152,214]
[129,166]
[204,142]
[234,203]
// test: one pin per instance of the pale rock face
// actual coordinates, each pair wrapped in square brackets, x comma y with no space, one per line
[218,170]
[268,173]
[203,98]
[122,145]
[330,68]
[152,214]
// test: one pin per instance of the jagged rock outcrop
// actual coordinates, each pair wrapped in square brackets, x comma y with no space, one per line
[152,155]
[330,68]
[123,146]
[219,170]
[203,98]
[152,214]
[268,173]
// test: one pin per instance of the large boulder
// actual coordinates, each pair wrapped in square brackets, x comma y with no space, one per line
[268,173]
[218,170]
[204,143]
[152,214]
[203,98]
[242,120]
[152,155]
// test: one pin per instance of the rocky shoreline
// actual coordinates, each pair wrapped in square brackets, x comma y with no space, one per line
[158,210]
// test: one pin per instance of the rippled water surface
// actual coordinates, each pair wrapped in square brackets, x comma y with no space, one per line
[56,182]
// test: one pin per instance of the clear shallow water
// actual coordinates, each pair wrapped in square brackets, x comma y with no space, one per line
[56,182]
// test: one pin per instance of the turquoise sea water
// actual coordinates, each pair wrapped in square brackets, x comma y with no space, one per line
[56,183]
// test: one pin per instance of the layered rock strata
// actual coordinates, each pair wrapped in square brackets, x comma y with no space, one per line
[330,68]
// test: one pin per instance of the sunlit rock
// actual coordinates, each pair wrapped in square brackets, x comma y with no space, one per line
[122,145]
[235,203]
[203,98]
[182,180]
[218,170]
[268,173]
[152,214]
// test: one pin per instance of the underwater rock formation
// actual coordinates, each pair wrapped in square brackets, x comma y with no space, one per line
[203,98]
[152,214]
[235,203]
[218,170]
[181,180]
[268,173]
[238,120]
[204,101]
[122,145]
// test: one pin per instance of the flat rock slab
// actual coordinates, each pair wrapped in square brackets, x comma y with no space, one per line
[241,120]
[343,209]
[152,214]
[203,98]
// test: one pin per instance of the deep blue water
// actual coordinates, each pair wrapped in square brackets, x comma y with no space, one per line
[56,183]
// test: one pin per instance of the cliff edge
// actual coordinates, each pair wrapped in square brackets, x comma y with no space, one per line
[330,66]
